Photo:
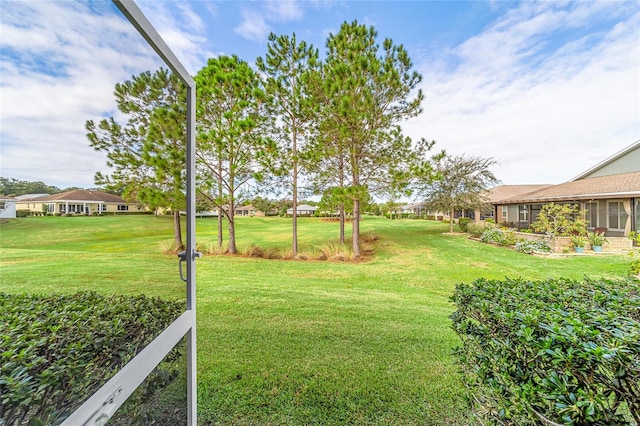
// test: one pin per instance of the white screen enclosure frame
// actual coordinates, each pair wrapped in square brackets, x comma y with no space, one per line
[103,403]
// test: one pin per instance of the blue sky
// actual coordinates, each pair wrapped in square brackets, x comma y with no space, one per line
[548,89]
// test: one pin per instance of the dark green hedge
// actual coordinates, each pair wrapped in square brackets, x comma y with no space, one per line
[56,350]
[559,350]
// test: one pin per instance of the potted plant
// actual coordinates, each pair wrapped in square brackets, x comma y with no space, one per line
[597,240]
[578,241]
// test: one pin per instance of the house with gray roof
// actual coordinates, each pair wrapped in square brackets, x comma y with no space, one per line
[303,210]
[608,193]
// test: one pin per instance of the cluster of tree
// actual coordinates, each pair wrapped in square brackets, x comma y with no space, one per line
[295,124]
[15,187]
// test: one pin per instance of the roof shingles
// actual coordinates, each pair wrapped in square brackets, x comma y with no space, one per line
[619,185]
[81,195]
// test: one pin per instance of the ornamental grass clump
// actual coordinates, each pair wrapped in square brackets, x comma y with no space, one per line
[551,352]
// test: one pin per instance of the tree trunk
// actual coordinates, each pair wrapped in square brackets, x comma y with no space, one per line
[451,221]
[294,216]
[355,226]
[177,230]
[232,227]
[220,213]
[342,215]
[342,219]
[232,237]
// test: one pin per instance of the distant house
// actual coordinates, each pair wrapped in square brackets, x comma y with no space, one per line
[248,210]
[7,207]
[78,201]
[303,210]
[417,209]
[608,193]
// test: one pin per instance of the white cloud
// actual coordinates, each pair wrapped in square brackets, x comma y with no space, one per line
[255,21]
[58,69]
[546,116]
[182,29]
[253,27]
[283,11]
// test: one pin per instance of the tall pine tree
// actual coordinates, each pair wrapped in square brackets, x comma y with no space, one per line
[148,152]
[366,90]
[232,152]
[284,66]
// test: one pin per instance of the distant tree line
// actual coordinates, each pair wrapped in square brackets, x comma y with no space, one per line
[15,187]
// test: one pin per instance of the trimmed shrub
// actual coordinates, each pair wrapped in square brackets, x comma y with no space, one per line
[559,351]
[475,230]
[56,350]
[538,246]
[463,222]
[492,235]
[508,239]
[22,213]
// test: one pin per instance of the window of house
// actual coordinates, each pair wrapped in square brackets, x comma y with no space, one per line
[523,213]
[592,214]
[616,216]
[2,205]
[123,207]
[505,212]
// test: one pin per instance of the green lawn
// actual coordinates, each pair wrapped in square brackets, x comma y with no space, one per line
[292,342]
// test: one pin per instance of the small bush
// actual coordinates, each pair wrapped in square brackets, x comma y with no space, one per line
[475,230]
[508,239]
[22,213]
[57,350]
[538,246]
[463,223]
[492,235]
[559,350]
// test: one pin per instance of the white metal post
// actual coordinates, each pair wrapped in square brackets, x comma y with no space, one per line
[103,403]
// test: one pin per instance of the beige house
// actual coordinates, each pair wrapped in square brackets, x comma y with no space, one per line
[79,201]
[609,193]
[248,210]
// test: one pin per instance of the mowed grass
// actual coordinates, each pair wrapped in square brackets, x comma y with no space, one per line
[293,342]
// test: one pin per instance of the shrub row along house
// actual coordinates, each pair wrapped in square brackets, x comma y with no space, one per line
[79,201]
[608,193]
